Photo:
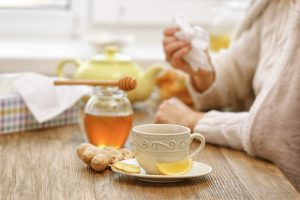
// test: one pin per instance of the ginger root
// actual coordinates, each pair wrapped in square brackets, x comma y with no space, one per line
[127,153]
[100,162]
[116,154]
[100,158]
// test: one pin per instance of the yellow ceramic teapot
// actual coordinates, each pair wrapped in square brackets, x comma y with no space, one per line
[112,66]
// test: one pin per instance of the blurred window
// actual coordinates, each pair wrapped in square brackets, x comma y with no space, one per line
[34,4]
[149,12]
[41,18]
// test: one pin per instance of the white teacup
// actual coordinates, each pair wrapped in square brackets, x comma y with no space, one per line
[161,143]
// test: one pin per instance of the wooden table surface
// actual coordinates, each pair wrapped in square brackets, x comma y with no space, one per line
[43,165]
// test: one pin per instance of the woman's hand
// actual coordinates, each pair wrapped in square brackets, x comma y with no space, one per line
[173,111]
[175,50]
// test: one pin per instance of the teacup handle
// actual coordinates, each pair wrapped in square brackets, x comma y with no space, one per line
[202,144]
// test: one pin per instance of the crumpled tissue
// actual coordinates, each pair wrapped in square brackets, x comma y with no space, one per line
[199,39]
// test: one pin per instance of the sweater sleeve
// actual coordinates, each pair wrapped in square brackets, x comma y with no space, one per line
[234,70]
[223,128]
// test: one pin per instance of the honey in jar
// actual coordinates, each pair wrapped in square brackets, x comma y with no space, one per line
[108,117]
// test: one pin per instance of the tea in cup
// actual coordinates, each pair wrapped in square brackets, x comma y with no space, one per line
[163,143]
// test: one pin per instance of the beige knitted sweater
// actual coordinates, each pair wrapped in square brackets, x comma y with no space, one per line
[245,73]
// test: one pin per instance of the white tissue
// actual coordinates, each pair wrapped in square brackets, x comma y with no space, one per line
[43,99]
[199,39]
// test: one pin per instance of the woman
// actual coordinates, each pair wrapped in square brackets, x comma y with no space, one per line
[257,78]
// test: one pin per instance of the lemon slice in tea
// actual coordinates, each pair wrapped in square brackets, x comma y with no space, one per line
[175,168]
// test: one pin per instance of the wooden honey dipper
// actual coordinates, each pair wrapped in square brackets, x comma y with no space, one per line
[126,83]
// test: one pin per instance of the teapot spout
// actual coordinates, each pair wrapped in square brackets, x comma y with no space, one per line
[145,84]
[152,72]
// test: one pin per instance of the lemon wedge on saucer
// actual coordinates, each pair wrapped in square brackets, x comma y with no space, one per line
[126,167]
[175,168]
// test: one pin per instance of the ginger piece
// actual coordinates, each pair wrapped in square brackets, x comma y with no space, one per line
[116,154]
[112,150]
[127,153]
[89,153]
[86,152]
[100,158]
[100,162]
[81,148]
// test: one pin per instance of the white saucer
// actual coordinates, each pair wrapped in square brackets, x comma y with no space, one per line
[198,170]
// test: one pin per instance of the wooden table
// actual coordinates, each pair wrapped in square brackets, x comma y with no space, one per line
[44,165]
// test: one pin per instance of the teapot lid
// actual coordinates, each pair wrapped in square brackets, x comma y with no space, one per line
[111,55]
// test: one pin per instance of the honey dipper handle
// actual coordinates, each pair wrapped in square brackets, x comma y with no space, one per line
[126,83]
[86,82]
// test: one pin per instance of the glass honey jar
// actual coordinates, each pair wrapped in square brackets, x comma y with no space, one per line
[108,117]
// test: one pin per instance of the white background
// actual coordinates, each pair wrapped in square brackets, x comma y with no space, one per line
[36,38]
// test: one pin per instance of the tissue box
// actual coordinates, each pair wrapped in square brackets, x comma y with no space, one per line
[15,116]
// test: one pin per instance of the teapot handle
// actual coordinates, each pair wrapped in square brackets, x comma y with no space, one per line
[61,65]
